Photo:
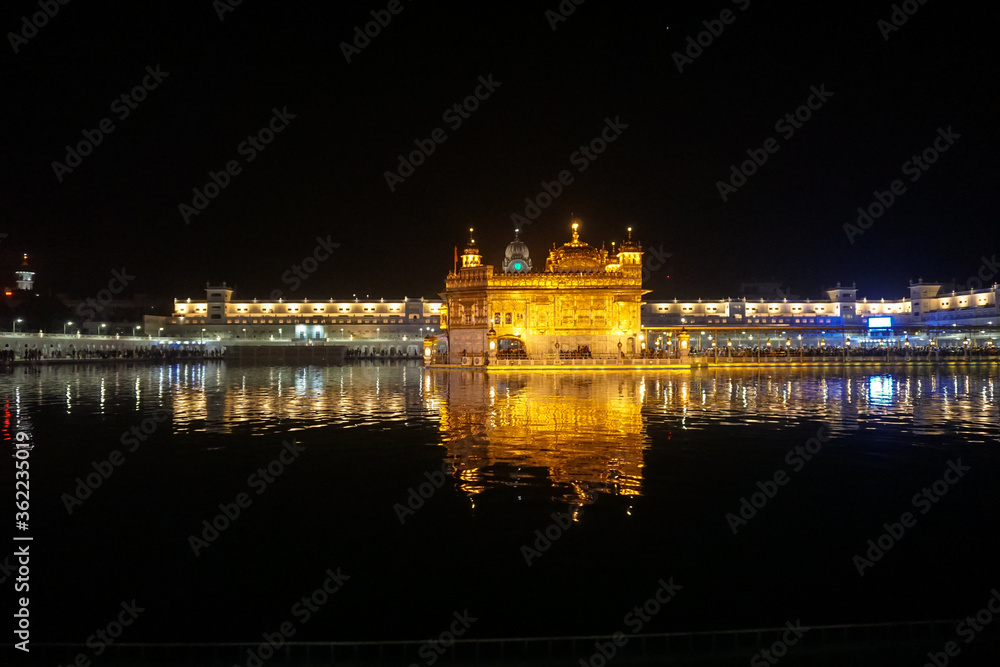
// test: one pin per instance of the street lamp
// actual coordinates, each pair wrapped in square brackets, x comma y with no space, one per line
[135,327]
[101,327]
[14,327]
[159,332]
[64,327]
[203,335]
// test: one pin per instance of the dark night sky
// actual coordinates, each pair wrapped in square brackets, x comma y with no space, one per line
[323,175]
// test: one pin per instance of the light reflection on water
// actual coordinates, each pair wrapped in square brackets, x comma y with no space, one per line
[582,434]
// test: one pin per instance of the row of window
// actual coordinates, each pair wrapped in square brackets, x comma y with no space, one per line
[507,318]
[268,309]
[307,320]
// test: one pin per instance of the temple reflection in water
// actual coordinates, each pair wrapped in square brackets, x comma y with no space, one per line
[583,435]
[578,434]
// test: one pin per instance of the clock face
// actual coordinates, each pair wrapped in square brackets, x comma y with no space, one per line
[517,266]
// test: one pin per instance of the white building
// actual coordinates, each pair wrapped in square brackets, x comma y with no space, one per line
[399,325]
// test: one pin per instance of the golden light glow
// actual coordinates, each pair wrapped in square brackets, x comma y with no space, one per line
[490,425]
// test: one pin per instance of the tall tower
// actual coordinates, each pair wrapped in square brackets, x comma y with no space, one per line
[630,252]
[25,277]
[471,256]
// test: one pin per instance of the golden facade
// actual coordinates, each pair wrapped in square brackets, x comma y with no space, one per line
[585,297]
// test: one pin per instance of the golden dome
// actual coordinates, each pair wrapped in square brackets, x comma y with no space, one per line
[576,256]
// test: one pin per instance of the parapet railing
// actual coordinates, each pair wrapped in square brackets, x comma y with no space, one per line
[868,357]
[585,360]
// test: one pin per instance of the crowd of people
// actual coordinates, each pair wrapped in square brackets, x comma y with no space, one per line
[33,353]
[654,354]
[851,351]
[372,353]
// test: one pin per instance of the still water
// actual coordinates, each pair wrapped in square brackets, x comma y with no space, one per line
[649,467]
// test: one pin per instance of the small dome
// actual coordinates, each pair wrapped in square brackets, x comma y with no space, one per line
[516,257]
[516,250]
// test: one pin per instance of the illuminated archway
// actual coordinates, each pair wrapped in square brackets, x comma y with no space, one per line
[511,347]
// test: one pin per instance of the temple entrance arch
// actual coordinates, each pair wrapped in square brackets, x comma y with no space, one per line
[511,347]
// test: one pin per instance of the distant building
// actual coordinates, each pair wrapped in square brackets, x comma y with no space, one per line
[25,276]
[926,307]
[364,326]
[24,281]
[586,297]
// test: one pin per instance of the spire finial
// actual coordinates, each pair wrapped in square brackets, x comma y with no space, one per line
[629,233]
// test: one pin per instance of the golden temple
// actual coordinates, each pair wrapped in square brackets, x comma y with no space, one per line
[585,302]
